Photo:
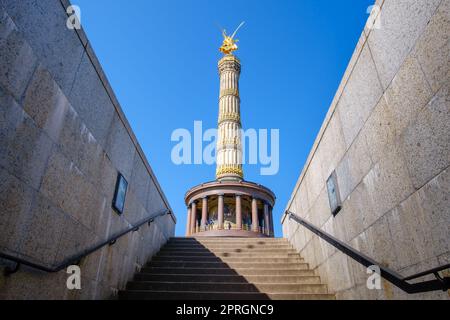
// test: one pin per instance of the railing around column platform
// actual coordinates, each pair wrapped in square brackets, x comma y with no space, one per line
[76,259]
[440,283]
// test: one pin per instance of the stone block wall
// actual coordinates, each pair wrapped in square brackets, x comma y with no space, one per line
[63,141]
[386,136]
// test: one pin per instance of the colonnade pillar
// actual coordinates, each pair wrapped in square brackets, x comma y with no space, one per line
[266,230]
[272,233]
[188,222]
[193,217]
[220,211]
[238,212]
[204,213]
[255,222]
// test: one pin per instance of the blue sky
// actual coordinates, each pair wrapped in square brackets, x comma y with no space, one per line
[161,60]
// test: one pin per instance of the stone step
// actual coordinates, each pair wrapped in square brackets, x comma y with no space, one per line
[251,265]
[190,278]
[189,295]
[301,296]
[234,242]
[229,247]
[227,278]
[227,287]
[224,255]
[227,271]
[283,279]
[240,247]
[227,254]
[222,239]
[298,288]
[210,242]
[226,259]
[189,286]
[207,251]
[261,244]
[239,243]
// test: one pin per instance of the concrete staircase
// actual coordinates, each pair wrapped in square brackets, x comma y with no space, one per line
[226,269]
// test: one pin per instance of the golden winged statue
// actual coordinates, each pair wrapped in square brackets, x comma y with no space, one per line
[229,43]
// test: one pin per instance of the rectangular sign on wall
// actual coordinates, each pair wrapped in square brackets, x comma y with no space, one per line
[333,194]
[120,194]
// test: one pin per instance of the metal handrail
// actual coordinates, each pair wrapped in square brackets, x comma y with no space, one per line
[440,283]
[76,259]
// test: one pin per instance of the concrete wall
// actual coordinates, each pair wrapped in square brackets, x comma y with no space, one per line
[63,139]
[387,136]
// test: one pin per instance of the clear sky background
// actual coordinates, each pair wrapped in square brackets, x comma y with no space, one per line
[161,60]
